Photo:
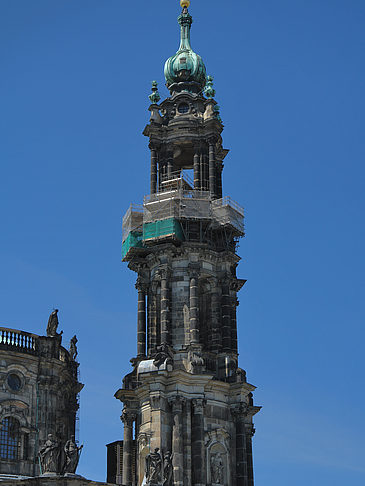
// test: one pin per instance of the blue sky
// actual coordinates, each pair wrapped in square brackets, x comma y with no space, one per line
[289,77]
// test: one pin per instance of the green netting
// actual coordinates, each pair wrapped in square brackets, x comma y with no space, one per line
[133,240]
[162,229]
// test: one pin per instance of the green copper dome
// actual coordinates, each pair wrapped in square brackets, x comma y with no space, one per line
[185,66]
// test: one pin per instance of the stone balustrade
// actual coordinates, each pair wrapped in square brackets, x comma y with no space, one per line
[15,340]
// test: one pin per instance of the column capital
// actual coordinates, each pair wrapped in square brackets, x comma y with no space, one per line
[177,402]
[157,402]
[198,405]
[162,274]
[240,411]
[128,417]
[141,284]
[154,145]
[212,140]
[194,270]
[225,278]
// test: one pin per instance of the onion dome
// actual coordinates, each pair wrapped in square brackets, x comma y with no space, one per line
[185,71]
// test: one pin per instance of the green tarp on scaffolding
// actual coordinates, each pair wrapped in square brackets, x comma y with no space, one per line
[162,229]
[133,240]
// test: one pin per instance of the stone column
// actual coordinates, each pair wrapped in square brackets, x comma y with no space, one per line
[198,445]
[216,338]
[177,439]
[161,173]
[250,430]
[212,170]
[226,315]
[141,318]
[239,415]
[118,477]
[201,164]
[234,326]
[128,418]
[152,318]
[194,298]
[196,171]
[153,170]
[165,318]
[187,448]
[219,179]
[170,164]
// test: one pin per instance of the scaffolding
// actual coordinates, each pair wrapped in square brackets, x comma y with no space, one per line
[227,212]
[181,214]
[132,220]
[180,204]
[176,180]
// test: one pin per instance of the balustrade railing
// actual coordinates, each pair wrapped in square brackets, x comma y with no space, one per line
[21,341]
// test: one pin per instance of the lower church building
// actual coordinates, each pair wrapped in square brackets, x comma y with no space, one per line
[187,407]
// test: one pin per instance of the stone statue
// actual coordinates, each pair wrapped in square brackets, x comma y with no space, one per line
[53,324]
[167,469]
[217,468]
[49,455]
[73,348]
[153,467]
[163,353]
[72,455]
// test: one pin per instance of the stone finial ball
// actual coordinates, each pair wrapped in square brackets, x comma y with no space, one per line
[185,3]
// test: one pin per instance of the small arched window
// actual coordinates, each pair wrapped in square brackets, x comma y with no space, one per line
[9,438]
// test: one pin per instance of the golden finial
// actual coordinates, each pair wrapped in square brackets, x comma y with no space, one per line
[185,3]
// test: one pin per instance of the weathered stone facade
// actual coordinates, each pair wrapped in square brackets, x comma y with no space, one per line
[38,396]
[186,394]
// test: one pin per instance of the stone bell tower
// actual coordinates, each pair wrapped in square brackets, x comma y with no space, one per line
[187,405]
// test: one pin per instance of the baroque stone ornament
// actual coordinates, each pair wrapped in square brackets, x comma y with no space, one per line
[49,456]
[72,456]
[53,324]
[73,348]
[153,467]
[209,91]
[217,468]
[167,469]
[155,95]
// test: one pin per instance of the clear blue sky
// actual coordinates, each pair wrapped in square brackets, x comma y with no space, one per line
[289,76]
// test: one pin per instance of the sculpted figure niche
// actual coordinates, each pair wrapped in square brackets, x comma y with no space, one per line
[217,468]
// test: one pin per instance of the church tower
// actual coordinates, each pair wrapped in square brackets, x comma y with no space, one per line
[188,407]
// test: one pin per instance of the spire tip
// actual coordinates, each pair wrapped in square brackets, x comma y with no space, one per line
[185,3]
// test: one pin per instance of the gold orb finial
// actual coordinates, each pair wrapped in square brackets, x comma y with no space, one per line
[185,3]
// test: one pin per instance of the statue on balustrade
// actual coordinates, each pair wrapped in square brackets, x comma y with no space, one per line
[154,468]
[72,456]
[49,455]
[73,348]
[53,325]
